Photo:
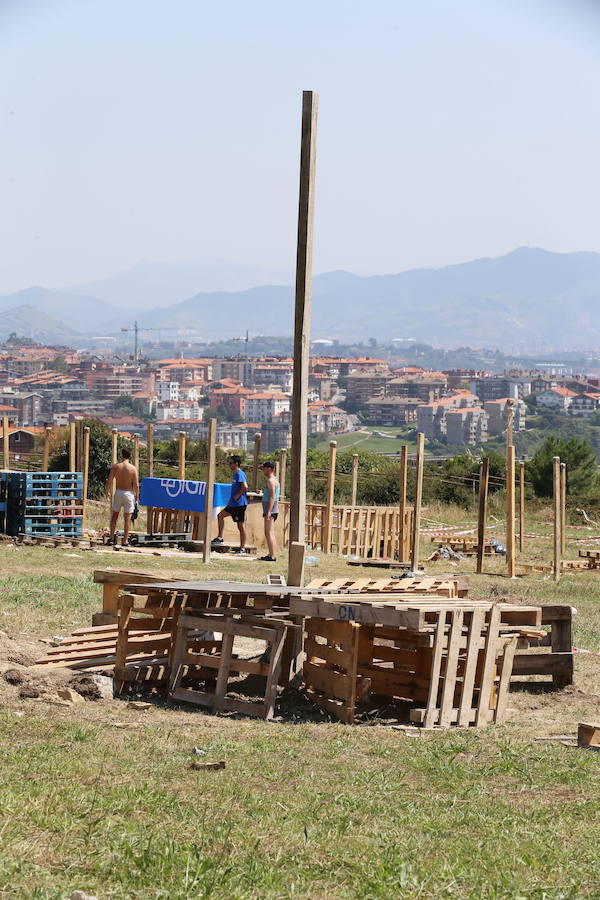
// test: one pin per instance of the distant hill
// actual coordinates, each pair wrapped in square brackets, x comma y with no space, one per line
[32,323]
[527,301]
[530,299]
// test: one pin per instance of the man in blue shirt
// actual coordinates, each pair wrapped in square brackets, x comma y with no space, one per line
[238,501]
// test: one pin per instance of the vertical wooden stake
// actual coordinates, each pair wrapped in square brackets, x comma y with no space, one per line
[72,443]
[114,439]
[79,445]
[5,444]
[330,494]
[521,506]
[296,564]
[46,453]
[402,536]
[210,487]
[182,442]
[282,472]
[556,514]
[302,322]
[509,422]
[136,452]
[484,477]
[510,511]
[563,508]
[255,461]
[86,470]
[150,449]
[354,479]
[418,497]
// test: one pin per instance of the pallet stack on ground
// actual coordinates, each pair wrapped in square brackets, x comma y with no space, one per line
[451,661]
[442,586]
[44,503]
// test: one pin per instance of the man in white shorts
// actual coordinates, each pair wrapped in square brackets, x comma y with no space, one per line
[127,491]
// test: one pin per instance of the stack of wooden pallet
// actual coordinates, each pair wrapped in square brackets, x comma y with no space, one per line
[443,586]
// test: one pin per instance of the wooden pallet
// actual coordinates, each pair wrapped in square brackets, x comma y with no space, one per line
[467,547]
[192,662]
[95,648]
[441,587]
[373,563]
[556,658]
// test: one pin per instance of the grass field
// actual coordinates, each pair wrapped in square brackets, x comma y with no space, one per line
[366,440]
[100,797]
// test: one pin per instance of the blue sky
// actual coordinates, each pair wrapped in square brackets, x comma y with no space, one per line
[139,129]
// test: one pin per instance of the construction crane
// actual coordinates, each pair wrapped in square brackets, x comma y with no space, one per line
[136,329]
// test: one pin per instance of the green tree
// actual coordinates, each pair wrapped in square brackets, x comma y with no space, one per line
[581,466]
[100,457]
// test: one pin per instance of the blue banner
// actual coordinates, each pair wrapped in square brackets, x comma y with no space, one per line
[173,493]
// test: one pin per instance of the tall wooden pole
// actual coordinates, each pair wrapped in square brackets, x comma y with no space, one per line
[114,439]
[510,511]
[402,536]
[46,453]
[484,478]
[563,508]
[354,479]
[521,506]
[150,449]
[556,514]
[136,452]
[86,470]
[181,467]
[418,497]
[72,442]
[302,320]
[210,487]
[255,461]
[509,422]
[5,444]
[330,494]
[282,472]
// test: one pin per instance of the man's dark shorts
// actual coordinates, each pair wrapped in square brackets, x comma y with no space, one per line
[237,513]
[273,516]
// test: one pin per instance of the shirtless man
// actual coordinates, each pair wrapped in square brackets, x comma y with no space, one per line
[127,491]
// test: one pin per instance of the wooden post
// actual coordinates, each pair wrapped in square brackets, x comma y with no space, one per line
[5,444]
[86,470]
[72,442]
[556,514]
[510,511]
[509,422]
[136,452]
[46,453]
[210,487]
[330,493]
[302,322]
[255,461]
[563,508]
[521,506]
[182,442]
[354,478]
[418,497]
[296,564]
[484,477]
[402,504]
[282,472]
[79,445]
[114,439]
[150,449]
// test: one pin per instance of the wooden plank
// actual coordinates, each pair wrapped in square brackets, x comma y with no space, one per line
[447,701]
[588,734]
[484,474]
[354,488]
[510,511]
[557,540]
[210,487]
[418,497]
[431,711]
[506,667]
[489,666]
[329,496]
[331,683]
[472,650]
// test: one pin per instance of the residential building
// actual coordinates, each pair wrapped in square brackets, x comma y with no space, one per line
[585,404]
[362,386]
[167,391]
[275,436]
[466,426]
[391,410]
[185,410]
[234,437]
[29,406]
[263,407]
[231,399]
[428,386]
[558,398]
[497,387]
[326,418]
[497,412]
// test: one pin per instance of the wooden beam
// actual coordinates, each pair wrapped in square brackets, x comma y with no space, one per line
[181,467]
[418,499]
[136,452]
[5,444]
[354,479]
[79,445]
[296,564]
[210,487]
[521,506]
[46,452]
[86,470]
[563,508]
[330,496]
[556,515]
[72,448]
[402,503]
[510,511]
[484,476]
[150,449]
[282,472]
[302,318]
[509,422]
[255,460]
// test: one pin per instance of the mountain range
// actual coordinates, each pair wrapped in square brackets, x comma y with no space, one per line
[527,300]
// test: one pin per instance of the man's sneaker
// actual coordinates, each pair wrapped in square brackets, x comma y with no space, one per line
[268,559]
[241,550]
[217,540]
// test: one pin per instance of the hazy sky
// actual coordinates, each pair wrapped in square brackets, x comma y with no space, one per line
[169,129]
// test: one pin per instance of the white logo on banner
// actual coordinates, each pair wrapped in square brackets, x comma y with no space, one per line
[175,488]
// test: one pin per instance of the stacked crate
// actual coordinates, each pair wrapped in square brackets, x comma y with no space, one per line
[44,503]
